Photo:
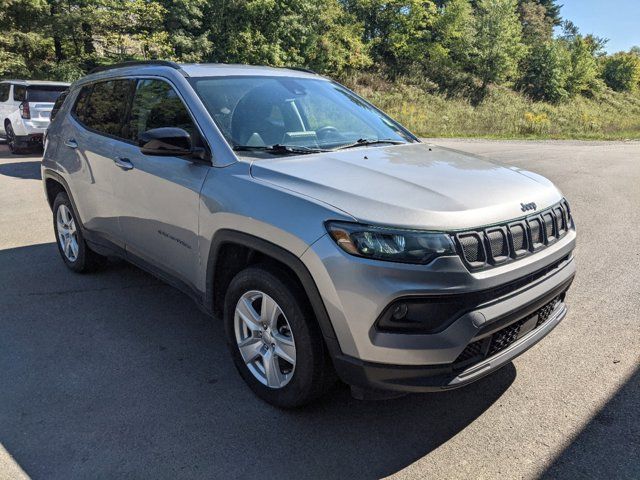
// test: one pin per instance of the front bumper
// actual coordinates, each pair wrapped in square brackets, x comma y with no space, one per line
[355,295]
[468,367]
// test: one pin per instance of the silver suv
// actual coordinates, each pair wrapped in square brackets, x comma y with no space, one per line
[329,239]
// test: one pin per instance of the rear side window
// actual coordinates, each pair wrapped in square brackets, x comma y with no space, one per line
[80,107]
[156,104]
[44,93]
[103,107]
[58,105]
[19,93]
[4,91]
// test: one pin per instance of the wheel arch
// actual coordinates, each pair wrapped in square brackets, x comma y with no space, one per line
[231,251]
[53,185]
[52,188]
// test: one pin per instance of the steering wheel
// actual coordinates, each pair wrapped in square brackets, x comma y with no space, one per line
[327,132]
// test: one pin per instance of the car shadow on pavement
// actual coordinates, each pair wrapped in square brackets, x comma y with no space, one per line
[28,170]
[115,374]
[609,445]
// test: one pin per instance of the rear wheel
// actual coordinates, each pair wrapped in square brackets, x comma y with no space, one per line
[274,339]
[12,141]
[71,244]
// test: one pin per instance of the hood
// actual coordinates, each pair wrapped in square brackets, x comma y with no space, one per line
[414,185]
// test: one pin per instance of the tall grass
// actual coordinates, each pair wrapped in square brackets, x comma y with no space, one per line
[504,113]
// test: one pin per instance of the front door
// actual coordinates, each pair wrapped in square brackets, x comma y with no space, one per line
[158,195]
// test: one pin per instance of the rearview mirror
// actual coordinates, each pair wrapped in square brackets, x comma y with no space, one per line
[166,141]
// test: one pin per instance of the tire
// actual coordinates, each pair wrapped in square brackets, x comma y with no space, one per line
[312,374]
[81,258]
[12,142]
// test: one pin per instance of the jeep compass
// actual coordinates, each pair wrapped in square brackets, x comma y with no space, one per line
[331,241]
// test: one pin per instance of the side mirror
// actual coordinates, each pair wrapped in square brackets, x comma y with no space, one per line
[166,141]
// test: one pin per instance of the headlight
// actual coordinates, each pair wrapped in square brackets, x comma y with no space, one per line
[393,245]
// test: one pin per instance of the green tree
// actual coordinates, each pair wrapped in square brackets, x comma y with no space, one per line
[184,21]
[499,46]
[537,26]
[337,47]
[315,33]
[545,75]
[621,71]
[583,67]
[451,51]
[551,10]
[26,47]
[399,31]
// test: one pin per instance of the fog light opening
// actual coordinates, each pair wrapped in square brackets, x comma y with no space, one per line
[400,311]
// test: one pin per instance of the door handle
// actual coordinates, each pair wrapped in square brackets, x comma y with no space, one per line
[123,163]
[71,143]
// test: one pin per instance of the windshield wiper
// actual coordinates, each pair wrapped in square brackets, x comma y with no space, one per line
[278,149]
[363,142]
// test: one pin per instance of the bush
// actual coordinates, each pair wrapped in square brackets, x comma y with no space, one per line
[504,113]
[621,72]
[546,72]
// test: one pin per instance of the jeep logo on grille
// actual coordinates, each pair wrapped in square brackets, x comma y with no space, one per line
[528,206]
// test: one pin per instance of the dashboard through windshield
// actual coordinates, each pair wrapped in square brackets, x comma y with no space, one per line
[294,115]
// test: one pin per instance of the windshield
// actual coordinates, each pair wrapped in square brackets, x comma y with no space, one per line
[44,94]
[258,112]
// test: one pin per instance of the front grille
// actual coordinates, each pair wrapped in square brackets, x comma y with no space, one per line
[545,312]
[519,238]
[503,338]
[472,248]
[482,249]
[473,351]
[536,231]
[498,244]
[498,341]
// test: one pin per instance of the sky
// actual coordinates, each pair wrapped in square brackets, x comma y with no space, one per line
[617,20]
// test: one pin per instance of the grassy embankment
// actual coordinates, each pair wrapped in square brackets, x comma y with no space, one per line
[505,114]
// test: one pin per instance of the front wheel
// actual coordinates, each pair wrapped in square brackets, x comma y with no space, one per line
[275,341]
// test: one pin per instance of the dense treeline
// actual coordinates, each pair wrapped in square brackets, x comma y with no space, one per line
[457,47]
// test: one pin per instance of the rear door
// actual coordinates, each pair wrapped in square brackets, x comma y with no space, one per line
[92,141]
[159,195]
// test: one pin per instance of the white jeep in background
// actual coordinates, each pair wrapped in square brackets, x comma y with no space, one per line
[25,111]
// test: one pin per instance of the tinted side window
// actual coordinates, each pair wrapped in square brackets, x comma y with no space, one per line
[19,93]
[105,107]
[58,105]
[4,91]
[80,107]
[156,104]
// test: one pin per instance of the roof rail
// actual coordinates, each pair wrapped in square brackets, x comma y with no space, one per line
[161,63]
[302,69]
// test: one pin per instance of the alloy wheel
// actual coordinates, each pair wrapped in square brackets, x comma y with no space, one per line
[264,339]
[67,233]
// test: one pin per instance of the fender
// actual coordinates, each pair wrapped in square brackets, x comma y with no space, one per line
[225,236]
[47,173]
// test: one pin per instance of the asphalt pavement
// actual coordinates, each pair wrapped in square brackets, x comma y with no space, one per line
[117,375]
